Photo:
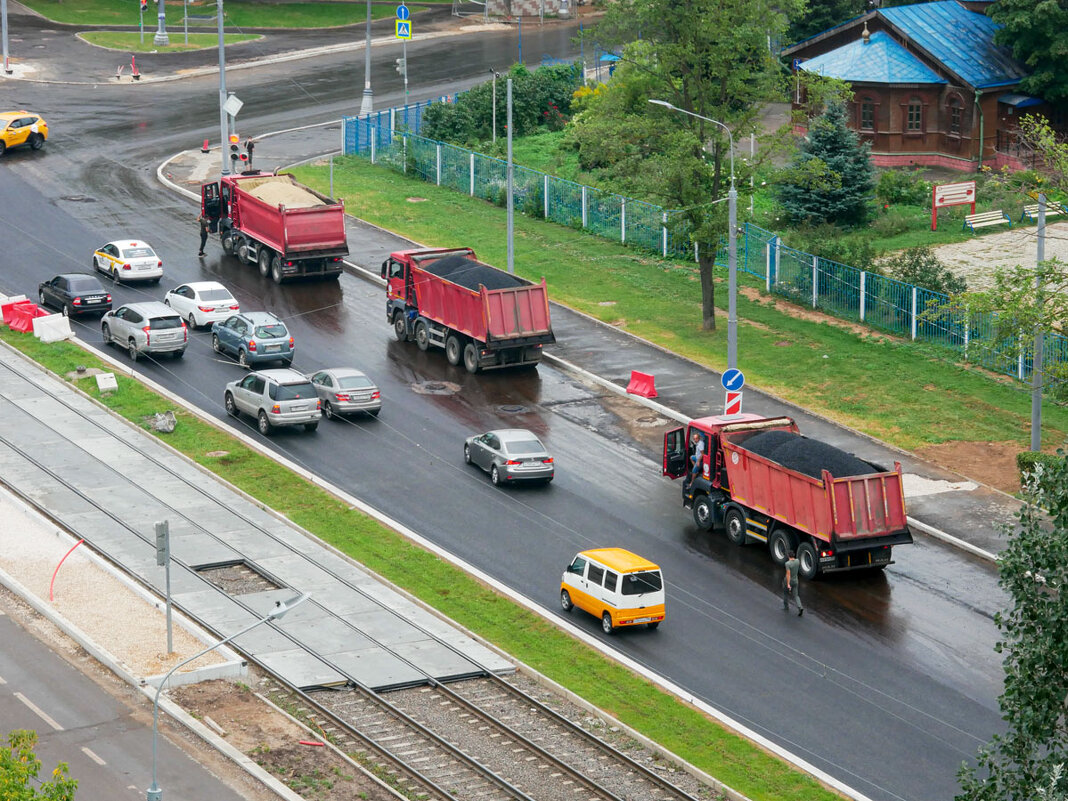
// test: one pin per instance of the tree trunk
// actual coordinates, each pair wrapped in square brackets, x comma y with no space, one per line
[706,259]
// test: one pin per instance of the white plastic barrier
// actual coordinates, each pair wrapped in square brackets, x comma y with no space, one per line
[52,328]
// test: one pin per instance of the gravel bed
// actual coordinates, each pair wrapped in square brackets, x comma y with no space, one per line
[461,270]
[808,456]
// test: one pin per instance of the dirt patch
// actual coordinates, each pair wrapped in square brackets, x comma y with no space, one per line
[274,742]
[992,463]
[976,259]
[811,315]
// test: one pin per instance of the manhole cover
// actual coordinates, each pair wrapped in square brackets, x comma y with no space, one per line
[435,388]
[512,408]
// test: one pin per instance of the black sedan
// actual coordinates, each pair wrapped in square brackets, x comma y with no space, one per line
[74,294]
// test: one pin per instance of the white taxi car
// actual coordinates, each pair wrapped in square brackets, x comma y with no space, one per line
[128,260]
[202,303]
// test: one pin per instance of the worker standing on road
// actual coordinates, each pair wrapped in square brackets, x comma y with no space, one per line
[205,227]
[789,584]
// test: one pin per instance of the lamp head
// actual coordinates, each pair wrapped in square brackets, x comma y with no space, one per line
[281,607]
[663,103]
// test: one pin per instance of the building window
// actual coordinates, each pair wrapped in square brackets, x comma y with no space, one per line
[914,122]
[867,114]
[956,110]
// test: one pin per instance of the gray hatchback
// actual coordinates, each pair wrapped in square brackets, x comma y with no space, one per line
[275,398]
[510,454]
[343,390]
[145,328]
[253,337]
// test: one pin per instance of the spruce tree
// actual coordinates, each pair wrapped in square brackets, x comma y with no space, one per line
[832,178]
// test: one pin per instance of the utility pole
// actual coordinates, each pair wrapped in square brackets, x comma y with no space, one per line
[368,95]
[494,106]
[511,198]
[161,37]
[1036,361]
[3,20]
[224,134]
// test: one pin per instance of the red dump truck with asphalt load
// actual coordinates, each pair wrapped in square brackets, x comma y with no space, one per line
[759,479]
[287,229]
[482,316]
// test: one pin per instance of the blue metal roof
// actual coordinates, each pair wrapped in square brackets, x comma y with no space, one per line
[881,60]
[960,39]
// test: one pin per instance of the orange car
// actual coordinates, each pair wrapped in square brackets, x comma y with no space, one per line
[22,128]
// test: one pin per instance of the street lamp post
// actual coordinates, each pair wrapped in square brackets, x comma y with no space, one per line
[3,20]
[155,792]
[224,128]
[161,37]
[511,188]
[368,96]
[495,73]
[732,239]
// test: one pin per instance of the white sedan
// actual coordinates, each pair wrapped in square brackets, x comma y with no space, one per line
[202,303]
[128,260]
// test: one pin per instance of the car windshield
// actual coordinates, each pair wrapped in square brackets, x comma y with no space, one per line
[85,285]
[138,253]
[215,294]
[355,382]
[292,391]
[158,323]
[272,331]
[639,583]
[520,446]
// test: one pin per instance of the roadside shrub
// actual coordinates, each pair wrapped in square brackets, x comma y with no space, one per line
[903,187]
[827,242]
[1027,461]
[534,202]
[921,267]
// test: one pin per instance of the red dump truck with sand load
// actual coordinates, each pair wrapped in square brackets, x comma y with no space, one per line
[287,229]
[482,316]
[759,479]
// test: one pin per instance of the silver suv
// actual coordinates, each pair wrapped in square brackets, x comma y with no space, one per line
[147,327]
[275,398]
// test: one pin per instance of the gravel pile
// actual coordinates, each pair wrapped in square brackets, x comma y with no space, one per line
[470,274]
[280,190]
[808,456]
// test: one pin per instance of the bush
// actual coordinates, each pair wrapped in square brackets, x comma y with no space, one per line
[904,187]
[893,222]
[827,242]
[1026,461]
[921,267]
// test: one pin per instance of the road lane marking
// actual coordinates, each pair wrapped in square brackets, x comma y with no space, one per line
[39,712]
[93,756]
[2,680]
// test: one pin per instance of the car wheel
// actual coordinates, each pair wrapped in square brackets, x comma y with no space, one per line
[105,332]
[495,476]
[287,362]
[114,274]
[215,344]
[276,269]
[36,141]
[422,335]
[265,262]
[231,407]
[242,359]
[178,353]
[606,624]
[3,148]
[809,563]
[454,349]
[264,424]
[192,320]
[310,426]
[374,412]
[702,512]
[471,358]
[155,281]
[780,544]
[40,298]
[654,625]
[467,453]
[328,410]
[565,601]
[96,264]
[735,525]
[132,347]
[400,327]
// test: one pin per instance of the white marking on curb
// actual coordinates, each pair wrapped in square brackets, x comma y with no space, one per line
[2,680]
[39,712]
[89,753]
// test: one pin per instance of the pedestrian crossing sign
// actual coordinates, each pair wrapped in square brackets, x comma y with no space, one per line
[404,29]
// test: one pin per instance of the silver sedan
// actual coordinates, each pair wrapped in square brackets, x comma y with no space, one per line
[344,390]
[510,454]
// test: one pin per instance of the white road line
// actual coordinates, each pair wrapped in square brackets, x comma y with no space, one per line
[2,680]
[93,756]
[39,712]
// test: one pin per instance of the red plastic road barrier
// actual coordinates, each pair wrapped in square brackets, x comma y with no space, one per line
[204,148]
[641,384]
[311,742]
[133,68]
[54,572]
[19,316]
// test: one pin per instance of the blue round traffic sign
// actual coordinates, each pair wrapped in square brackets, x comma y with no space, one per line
[732,380]
[402,12]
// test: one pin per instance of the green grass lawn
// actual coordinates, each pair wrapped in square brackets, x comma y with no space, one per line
[582,670]
[128,41]
[907,395]
[237,14]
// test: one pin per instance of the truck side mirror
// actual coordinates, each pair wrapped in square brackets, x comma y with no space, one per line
[385,266]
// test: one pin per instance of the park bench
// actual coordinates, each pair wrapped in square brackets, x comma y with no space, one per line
[985,218]
[1031,212]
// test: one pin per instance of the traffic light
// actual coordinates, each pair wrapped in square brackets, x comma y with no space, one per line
[401,65]
[144,5]
[235,147]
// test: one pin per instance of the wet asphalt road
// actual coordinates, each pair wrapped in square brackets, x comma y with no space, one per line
[889,681]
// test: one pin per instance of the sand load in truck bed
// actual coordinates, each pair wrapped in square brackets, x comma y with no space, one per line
[279,190]
[808,456]
[470,274]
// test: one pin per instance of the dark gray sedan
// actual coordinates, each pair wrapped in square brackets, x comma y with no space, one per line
[509,455]
[75,293]
[344,390]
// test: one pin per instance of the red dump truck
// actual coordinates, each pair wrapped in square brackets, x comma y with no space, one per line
[759,479]
[287,229]
[482,316]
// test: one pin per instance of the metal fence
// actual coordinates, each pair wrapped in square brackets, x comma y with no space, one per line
[392,138]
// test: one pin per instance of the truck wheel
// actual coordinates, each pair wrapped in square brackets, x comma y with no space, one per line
[454,349]
[471,358]
[400,327]
[735,525]
[780,543]
[565,601]
[422,335]
[809,559]
[276,269]
[606,624]
[228,243]
[702,512]
[265,262]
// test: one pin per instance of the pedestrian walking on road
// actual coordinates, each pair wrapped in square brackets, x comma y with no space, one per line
[790,584]
[205,227]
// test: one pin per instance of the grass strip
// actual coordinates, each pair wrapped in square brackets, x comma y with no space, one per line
[128,41]
[910,395]
[633,700]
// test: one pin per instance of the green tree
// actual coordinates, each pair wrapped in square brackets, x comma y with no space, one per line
[703,56]
[1027,760]
[19,770]
[1052,147]
[921,267]
[823,14]
[832,178]
[1037,33]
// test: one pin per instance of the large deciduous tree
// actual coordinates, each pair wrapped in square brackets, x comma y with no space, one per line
[1027,761]
[1037,33]
[820,15]
[707,57]
[20,769]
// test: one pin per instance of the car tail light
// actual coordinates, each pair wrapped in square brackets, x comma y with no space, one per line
[547,461]
[336,259]
[127,267]
[159,263]
[291,342]
[319,405]
[76,302]
[148,334]
[252,345]
[206,309]
[276,409]
[513,461]
[185,333]
[376,395]
[235,307]
[341,396]
[109,298]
